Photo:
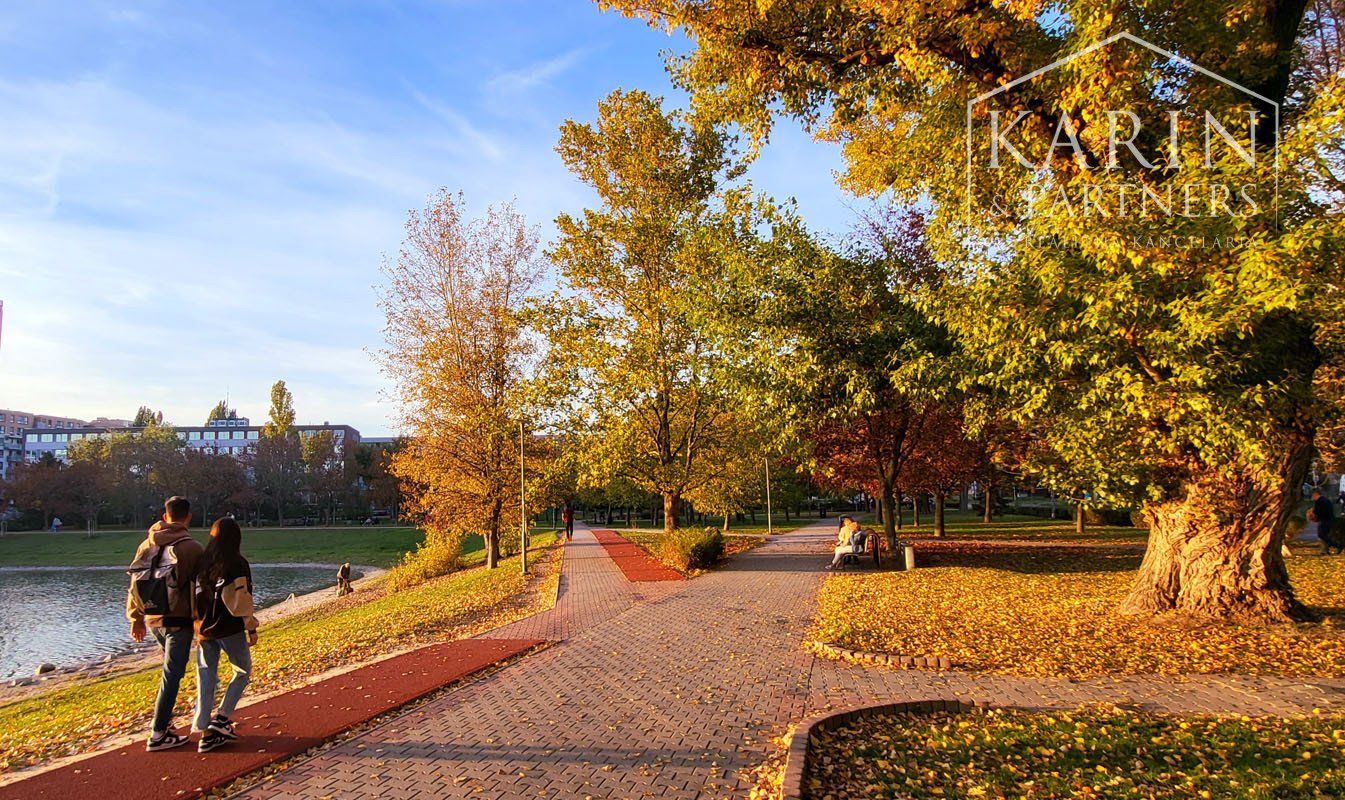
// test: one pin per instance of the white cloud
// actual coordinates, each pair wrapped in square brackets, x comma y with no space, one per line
[533,75]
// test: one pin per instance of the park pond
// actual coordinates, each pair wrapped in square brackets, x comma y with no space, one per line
[70,616]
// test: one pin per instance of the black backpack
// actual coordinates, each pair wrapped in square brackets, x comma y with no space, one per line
[152,575]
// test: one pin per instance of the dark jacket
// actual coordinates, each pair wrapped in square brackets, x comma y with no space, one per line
[223,600]
[1325,511]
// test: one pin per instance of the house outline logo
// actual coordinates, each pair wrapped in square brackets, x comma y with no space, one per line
[1110,40]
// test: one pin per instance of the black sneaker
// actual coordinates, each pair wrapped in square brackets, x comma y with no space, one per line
[211,740]
[165,741]
[223,726]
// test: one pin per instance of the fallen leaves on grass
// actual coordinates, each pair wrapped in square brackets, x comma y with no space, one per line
[1050,611]
[1100,752]
[357,628]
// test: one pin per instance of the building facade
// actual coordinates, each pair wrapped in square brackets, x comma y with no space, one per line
[14,426]
[224,436]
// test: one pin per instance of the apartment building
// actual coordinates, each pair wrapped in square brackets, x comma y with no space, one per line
[227,436]
[13,426]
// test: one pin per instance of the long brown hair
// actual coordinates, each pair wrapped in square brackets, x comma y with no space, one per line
[224,549]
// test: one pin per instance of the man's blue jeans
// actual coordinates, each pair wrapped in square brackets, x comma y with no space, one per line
[207,676]
[176,645]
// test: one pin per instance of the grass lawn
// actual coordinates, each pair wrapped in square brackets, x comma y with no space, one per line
[1013,527]
[378,546]
[1092,752]
[74,717]
[1050,611]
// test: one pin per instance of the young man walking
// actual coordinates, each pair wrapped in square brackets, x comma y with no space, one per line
[159,601]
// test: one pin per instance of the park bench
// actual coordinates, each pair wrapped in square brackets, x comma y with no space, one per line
[870,548]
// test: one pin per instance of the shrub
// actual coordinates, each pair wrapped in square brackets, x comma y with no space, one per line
[438,555]
[688,548]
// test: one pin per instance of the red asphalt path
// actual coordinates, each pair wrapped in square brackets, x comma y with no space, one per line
[274,729]
[634,562]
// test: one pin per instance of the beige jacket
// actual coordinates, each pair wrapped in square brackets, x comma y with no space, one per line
[188,553]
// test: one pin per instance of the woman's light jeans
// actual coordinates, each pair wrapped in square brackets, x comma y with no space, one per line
[207,676]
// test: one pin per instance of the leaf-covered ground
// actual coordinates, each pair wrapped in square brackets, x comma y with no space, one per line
[1092,752]
[1050,611]
[364,625]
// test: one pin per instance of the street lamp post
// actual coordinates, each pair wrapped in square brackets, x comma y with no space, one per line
[770,523]
[522,502]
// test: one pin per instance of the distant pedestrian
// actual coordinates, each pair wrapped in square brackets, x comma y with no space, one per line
[1324,512]
[56,524]
[160,600]
[567,516]
[343,587]
[225,622]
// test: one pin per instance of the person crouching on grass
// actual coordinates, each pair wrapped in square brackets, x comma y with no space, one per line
[224,621]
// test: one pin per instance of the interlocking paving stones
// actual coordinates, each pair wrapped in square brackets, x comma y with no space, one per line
[672,689]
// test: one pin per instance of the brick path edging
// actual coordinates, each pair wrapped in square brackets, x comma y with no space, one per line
[836,653]
[794,786]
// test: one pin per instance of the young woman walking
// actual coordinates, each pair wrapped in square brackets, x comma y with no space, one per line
[224,622]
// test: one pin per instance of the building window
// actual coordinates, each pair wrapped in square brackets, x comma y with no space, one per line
[194,436]
[46,437]
[252,434]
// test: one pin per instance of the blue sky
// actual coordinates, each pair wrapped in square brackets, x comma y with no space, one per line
[195,197]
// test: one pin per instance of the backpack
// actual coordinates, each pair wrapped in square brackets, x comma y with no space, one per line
[153,574]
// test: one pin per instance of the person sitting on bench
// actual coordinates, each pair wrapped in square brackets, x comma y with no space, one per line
[849,541]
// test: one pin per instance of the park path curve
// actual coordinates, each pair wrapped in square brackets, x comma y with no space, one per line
[673,689]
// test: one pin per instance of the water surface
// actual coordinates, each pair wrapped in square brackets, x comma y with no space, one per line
[69,616]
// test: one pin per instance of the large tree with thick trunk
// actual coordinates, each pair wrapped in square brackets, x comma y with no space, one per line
[1164,358]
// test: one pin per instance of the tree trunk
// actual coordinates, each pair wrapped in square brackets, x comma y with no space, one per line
[889,519]
[671,503]
[1215,549]
[726,522]
[938,512]
[1080,521]
[492,537]
[915,509]
[988,497]
[896,506]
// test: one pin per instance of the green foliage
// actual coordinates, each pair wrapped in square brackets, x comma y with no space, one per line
[147,416]
[686,549]
[635,375]
[221,411]
[280,421]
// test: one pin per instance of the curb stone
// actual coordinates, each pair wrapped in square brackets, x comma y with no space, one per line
[794,786]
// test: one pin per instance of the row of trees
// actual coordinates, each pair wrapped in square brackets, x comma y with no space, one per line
[122,477]
[699,326]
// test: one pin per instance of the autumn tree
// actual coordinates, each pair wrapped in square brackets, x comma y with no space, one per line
[221,411]
[1179,377]
[211,481]
[945,457]
[39,486]
[832,346]
[459,352]
[277,458]
[639,376]
[147,416]
[325,470]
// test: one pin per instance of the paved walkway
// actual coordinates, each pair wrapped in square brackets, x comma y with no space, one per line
[670,689]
